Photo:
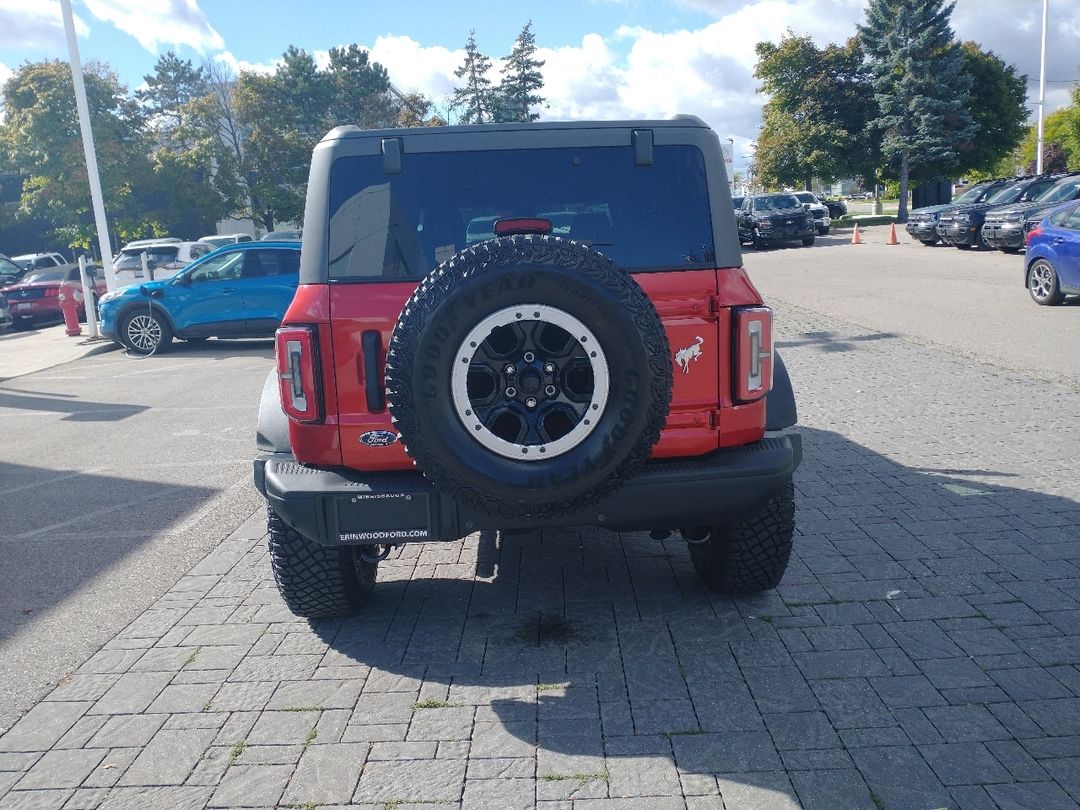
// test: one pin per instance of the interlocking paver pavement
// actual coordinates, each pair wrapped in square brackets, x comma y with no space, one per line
[923,650]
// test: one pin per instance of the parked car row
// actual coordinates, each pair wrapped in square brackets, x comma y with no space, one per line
[995,214]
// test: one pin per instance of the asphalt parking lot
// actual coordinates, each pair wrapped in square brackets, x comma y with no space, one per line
[921,652]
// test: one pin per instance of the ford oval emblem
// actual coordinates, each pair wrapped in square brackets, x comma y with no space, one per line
[378,438]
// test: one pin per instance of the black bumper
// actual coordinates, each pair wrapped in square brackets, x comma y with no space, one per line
[959,234]
[347,507]
[1004,236]
[923,231]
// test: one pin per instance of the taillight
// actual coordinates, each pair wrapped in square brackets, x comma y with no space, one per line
[1036,231]
[52,292]
[753,353]
[298,375]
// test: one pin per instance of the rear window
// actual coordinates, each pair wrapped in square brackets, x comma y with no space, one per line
[402,226]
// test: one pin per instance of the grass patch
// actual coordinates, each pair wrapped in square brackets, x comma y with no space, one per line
[432,703]
[767,619]
[848,223]
[303,709]
[310,738]
[190,659]
[236,751]
[878,803]
[684,732]
[582,778]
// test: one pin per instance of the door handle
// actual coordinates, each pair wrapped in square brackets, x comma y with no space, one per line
[227,289]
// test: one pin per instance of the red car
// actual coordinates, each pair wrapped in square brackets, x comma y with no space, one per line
[35,300]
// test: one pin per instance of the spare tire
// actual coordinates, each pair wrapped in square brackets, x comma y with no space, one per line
[528,376]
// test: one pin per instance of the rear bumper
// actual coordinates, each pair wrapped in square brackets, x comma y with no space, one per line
[348,507]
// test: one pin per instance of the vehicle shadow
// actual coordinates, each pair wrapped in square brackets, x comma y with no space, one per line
[221,348]
[830,342]
[77,410]
[61,528]
[604,656]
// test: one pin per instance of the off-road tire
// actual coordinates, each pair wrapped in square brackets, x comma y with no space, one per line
[506,273]
[317,582]
[751,556]
[808,241]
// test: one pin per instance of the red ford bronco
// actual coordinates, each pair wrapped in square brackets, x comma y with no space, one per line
[520,326]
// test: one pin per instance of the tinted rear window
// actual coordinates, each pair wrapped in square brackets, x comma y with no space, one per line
[402,226]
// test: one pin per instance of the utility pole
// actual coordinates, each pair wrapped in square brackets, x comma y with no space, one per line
[88,146]
[1042,92]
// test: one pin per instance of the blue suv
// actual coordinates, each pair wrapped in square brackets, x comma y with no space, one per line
[239,290]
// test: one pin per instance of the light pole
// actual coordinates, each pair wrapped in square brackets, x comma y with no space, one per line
[1042,92]
[88,146]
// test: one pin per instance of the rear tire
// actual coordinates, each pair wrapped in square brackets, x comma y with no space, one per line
[751,556]
[1042,284]
[808,241]
[317,581]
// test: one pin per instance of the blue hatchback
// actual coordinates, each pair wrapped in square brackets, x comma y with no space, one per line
[239,290]
[1052,259]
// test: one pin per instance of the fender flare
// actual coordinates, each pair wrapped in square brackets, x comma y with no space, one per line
[272,428]
[780,410]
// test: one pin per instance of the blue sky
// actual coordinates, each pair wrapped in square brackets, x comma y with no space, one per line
[604,58]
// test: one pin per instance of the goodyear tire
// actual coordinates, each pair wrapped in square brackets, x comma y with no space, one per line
[529,376]
[317,581]
[751,556]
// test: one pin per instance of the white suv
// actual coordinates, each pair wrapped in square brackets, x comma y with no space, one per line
[818,210]
[164,258]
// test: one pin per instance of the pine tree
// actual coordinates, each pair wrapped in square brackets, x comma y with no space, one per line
[919,84]
[477,96]
[518,92]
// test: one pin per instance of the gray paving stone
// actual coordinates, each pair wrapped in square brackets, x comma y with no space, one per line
[1029,683]
[828,790]
[169,757]
[954,673]
[451,723]
[965,723]
[490,794]
[906,691]
[282,728]
[1055,717]
[964,764]
[780,689]
[840,664]
[438,780]
[801,730]
[326,774]
[251,786]
[643,775]
[852,703]
[725,753]
[900,778]
[141,798]
[61,769]
[762,790]
[132,693]
[36,799]
[42,726]
[1027,795]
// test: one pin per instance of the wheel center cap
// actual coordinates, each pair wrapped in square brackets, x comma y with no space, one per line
[530,381]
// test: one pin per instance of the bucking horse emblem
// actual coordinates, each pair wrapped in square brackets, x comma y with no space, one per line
[691,352]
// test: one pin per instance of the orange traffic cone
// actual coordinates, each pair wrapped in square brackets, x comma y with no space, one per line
[892,234]
[856,239]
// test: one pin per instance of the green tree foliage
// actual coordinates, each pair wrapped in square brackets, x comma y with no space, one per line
[815,122]
[919,85]
[361,90]
[476,98]
[174,83]
[996,105]
[41,141]
[519,91]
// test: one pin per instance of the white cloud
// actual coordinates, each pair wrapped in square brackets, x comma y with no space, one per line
[413,66]
[33,24]
[229,59]
[159,22]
